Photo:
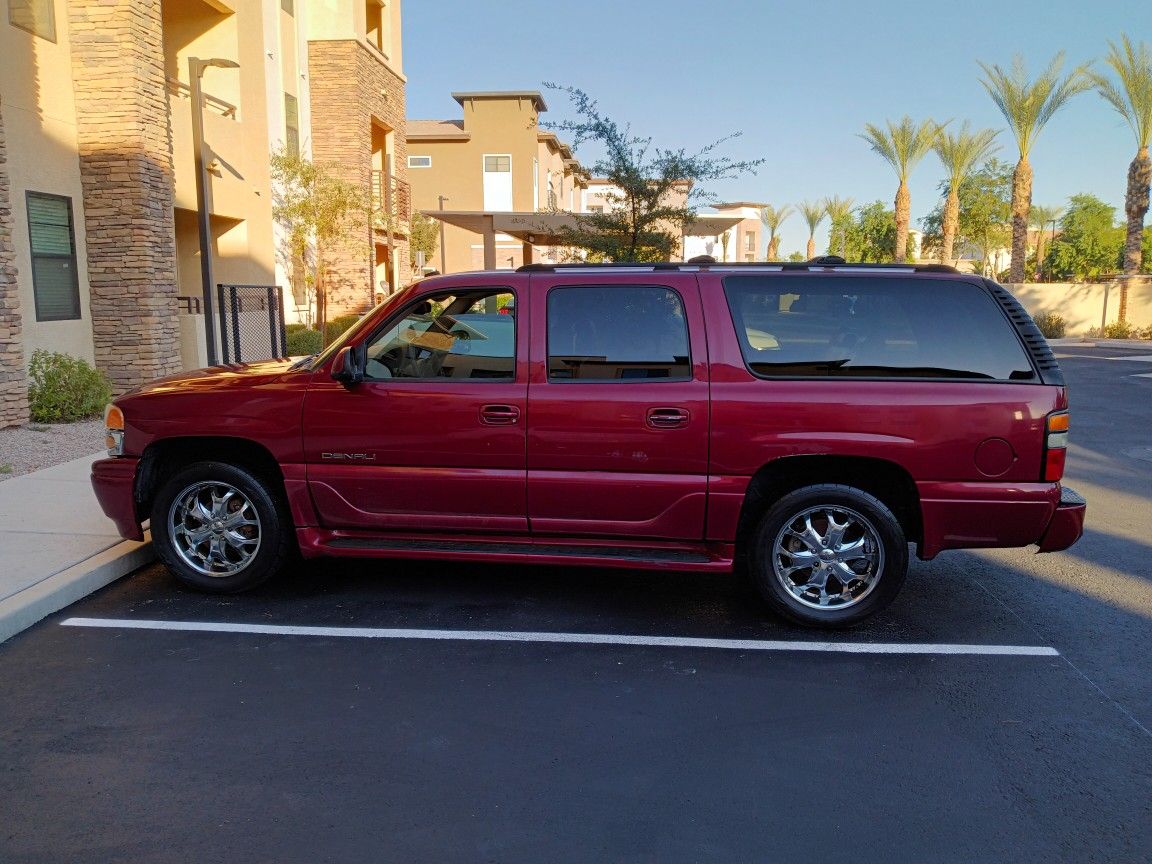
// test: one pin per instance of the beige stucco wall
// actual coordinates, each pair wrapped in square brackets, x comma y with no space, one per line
[1082,303]
[40,126]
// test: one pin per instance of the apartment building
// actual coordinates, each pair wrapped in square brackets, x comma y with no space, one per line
[99,245]
[493,159]
[741,241]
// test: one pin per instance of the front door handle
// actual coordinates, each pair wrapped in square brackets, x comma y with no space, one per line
[499,415]
[668,418]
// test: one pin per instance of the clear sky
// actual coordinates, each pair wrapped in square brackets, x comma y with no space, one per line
[798,79]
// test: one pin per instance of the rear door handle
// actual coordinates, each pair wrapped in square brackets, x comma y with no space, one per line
[499,415]
[668,418]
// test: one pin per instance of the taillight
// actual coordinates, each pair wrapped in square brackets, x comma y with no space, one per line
[1055,445]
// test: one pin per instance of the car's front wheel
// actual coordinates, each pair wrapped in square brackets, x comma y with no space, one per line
[220,528]
[829,555]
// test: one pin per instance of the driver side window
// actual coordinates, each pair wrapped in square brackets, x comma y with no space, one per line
[463,334]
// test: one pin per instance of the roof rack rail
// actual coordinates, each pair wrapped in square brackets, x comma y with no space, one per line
[823,262]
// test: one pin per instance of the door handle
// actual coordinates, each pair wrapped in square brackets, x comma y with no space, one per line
[499,415]
[668,418]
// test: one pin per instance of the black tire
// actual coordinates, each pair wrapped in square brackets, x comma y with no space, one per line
[242,562]
[880,563]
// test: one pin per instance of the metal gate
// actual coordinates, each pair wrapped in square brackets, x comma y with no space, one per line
[251,323]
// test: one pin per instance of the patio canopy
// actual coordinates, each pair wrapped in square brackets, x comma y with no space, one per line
[546,229]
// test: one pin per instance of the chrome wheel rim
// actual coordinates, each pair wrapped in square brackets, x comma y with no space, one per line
[214,528]
[828,557]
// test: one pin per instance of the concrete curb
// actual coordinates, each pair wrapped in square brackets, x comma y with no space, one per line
[26,607]
[1085,342]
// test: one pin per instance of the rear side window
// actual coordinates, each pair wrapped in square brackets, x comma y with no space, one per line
[615,333]
[871,327]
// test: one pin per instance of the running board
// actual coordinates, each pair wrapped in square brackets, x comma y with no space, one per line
[641,557]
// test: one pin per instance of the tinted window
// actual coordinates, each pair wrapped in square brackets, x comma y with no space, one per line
[55,286]
[616,333]
[462,335]
[873,327]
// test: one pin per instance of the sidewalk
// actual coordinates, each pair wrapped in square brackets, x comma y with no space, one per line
[56,545]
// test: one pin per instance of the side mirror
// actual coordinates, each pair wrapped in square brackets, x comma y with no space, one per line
[349,366]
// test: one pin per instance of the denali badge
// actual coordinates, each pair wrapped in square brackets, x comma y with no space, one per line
[350,457]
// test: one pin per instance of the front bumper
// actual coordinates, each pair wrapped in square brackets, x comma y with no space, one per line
[114,482]
[1067,523]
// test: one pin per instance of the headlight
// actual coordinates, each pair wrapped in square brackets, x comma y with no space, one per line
[114,439]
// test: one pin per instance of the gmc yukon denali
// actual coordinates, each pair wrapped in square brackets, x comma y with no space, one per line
[805,422]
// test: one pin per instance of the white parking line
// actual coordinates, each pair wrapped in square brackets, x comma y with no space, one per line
[1141,358]
[575,638]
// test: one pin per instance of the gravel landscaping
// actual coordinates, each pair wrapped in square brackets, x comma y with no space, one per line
[24,449]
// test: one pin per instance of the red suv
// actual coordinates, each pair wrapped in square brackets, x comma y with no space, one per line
[807,420]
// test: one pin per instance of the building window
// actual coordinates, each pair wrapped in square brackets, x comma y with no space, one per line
[375,29]
[419,161]
[36,16]
[498,164]
[53,242]
[750,241]
[288,6]
[291,125]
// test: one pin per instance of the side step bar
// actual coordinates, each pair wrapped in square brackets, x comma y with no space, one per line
[320,542]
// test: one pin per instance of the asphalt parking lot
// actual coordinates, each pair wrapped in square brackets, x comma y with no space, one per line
[262,736]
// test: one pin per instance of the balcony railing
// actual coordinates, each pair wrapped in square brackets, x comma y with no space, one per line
[391,200]
[178,88]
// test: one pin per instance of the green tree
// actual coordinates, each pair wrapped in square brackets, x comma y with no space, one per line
[839,216]
[1132,98]
[902,146]
[813,213]
[959,152]
[318,211]
[424,237]
[1040,217]
[658,188]
[871,236]
[1089,245]
[985,212]
[773,218]
[1028,106]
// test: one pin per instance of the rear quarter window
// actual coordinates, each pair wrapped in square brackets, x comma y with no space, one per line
[869,327]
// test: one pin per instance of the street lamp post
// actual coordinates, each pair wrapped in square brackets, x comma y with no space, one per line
[443,268]
[196,68]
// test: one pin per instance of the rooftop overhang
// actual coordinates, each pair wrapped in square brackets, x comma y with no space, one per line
[534,95]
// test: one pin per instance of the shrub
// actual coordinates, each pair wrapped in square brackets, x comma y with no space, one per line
[1119,330]
[63,388]
[1051,325]
[294,328]
[338,325]
[303,342]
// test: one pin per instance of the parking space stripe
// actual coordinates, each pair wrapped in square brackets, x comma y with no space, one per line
[568,638]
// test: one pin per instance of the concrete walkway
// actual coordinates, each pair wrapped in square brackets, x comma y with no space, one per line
[56,545]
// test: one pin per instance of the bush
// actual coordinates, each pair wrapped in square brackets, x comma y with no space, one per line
[1051,325]
[62,388]
[303,342]
[337,326]
[294,328]
[1119,330]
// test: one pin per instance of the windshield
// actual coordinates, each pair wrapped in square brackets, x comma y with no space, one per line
[351,333]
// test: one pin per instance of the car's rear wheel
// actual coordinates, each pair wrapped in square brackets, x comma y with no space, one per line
[221,528]
[829,555]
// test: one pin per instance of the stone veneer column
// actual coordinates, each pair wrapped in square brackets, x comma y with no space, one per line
[125,150]
[13,381]
[348,86]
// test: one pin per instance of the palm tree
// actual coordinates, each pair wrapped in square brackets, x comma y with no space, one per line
[1039,217]
[773,218]
[902,146]
[813,213]
[1133,99]
[838,209]
[959,153]
[1028,106]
